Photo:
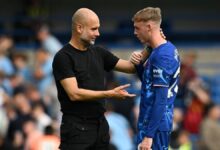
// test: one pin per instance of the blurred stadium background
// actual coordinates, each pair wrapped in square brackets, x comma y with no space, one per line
[28,106]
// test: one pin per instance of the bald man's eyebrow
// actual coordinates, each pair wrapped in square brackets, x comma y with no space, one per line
[94,28]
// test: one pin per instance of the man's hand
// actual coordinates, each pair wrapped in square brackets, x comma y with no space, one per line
[139,56]
[146,144]
[136,57]
[120,92]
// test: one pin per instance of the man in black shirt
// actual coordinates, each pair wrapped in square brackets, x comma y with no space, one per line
[78,70]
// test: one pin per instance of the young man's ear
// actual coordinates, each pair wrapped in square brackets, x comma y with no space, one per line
[149,26]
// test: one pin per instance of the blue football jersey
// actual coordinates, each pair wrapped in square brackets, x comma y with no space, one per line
[161,70]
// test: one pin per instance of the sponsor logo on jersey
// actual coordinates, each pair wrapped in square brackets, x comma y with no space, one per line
[157,73]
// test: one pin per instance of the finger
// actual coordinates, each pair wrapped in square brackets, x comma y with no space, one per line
[135,62]
[127,95]
[136,58]
[143,148]
[131,95]
[138,55]
[146,147]
[124,91]
[124,86]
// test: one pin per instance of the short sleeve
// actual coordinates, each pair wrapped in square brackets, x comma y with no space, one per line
[109,59]
[62,67]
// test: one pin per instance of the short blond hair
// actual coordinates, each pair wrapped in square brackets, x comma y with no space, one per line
[148,14]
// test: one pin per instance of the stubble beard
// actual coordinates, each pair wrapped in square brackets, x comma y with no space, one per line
[87,42]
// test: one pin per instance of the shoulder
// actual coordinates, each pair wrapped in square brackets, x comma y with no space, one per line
[63,54]
[166,56]
[101,51]
[64,51]
[167,50]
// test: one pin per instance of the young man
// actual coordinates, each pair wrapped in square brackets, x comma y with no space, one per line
[159,76]
[79,69]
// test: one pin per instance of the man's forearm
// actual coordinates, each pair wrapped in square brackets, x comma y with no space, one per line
[125,66]
[84,95]
[119,92]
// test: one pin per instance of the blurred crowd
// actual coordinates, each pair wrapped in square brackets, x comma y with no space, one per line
[29,110]
[30,115]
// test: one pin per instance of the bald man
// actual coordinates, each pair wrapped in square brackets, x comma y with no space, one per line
[78,70]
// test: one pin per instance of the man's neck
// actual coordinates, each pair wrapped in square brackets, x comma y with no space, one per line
[157,40]
[76,43]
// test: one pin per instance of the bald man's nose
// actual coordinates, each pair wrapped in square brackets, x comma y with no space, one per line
[97,33]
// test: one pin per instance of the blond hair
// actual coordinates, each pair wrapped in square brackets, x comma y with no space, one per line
[148,14]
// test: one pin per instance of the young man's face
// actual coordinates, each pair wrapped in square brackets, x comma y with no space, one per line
[142,31]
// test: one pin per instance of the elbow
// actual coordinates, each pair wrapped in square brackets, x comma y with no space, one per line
[133,69]
[74,96]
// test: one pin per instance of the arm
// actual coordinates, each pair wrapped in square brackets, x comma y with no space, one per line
[129,66]
[113,62]
[159,108]
[78,94]
[125,66]
[196,87]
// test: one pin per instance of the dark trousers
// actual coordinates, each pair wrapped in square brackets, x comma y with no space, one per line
[81,133]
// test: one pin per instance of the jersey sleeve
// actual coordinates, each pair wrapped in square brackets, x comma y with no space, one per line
[62,67]
[158,110]
[109,59]
[161,70]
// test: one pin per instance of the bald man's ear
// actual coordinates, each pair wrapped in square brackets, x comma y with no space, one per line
[79,28]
